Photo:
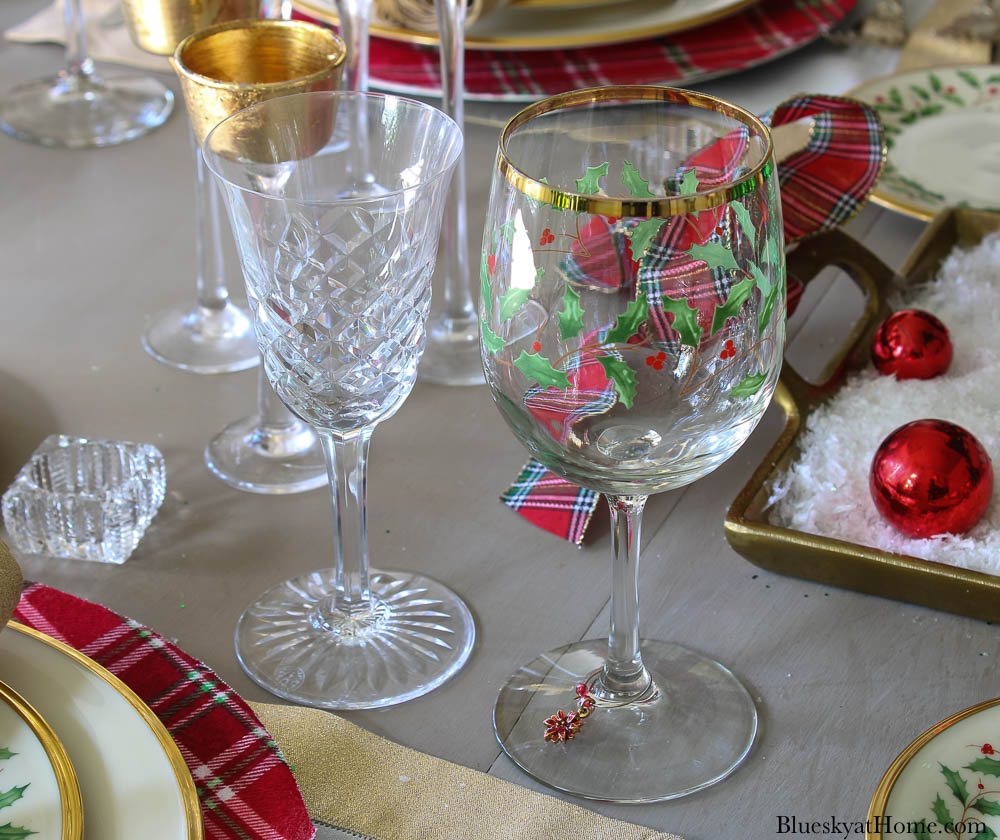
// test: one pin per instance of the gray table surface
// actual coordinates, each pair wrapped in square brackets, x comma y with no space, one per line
[94,242]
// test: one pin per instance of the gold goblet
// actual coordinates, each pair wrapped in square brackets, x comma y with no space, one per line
[224,69]
[158,26]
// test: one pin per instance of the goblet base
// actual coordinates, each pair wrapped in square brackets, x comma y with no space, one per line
[251,457]
[452,355]
[417,635]
[691,730]
[203,341]
[82,110]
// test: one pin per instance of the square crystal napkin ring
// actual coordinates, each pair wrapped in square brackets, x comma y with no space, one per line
[84,499]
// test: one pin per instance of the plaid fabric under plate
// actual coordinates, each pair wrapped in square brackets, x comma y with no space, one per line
[822,186]
[246,789]
[767,30]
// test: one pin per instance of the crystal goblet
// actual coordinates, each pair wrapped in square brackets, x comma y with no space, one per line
[339,284]
[632,327]
[80,108]
[222,69]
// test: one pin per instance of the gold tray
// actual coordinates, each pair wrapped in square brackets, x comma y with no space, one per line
[836,562]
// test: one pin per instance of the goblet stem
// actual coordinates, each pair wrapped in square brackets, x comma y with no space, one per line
[78,61]
[355,16]
[347,468]
[623,676]
[452,354]
[276,9]
[210,278]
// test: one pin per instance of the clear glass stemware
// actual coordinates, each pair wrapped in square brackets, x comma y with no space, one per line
[79,108]
[632,327]
[339,282]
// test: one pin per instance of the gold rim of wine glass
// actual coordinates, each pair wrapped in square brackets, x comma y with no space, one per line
[210,99]
[622,207]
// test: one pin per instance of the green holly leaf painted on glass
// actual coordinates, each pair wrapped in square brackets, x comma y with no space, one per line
[485,289]
[622,376]
[731,308]
[636,184]
[985,833]
[941,811]
[685,320]
[588,183]
[512,301]
[990,807]
[491,340]
[540,369]
[642,234]
[743,217]
[770,300]
[5,753]
[715,254]
[956,783]
[969,78]
[986,766]
[689,183]
[571,316]
[629,321]
[507,231]
[748,386]
[760,278]
[14,832]
[9,797]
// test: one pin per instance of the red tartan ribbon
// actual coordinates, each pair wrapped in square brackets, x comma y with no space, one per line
[764,31]
[246,789]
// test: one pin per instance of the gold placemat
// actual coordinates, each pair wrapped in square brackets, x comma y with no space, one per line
[362,782]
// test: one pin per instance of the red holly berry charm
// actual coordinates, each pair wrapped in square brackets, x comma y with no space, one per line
[912,344]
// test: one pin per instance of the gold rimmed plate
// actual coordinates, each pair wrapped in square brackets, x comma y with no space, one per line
[941,127]
[132,778]
[40,794]
[944,784]
[518,27]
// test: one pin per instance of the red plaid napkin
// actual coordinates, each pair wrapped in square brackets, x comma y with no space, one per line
[765,31]
[246,789]
[822,186]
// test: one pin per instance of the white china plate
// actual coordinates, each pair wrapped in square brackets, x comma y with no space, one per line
[132,777]
[952,770]
[943,136]
[521,28]
[40,793]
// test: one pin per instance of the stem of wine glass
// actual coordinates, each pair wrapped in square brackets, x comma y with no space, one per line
[210,277]
[276,9]
[355,16]
[458,306]
[275,418]
[351,608]
[623,676]
[78,60]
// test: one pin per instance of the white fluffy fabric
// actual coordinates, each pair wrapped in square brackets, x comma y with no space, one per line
[826,490]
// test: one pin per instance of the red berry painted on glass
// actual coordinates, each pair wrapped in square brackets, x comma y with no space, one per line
[547,237]
[491,262]
[650,361]
[536,346]
[718,230]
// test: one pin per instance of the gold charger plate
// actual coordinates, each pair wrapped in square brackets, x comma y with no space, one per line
[948,775]
[42,796]
[519,28]
[836,562]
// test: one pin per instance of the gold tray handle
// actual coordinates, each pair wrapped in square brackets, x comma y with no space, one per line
[872,276]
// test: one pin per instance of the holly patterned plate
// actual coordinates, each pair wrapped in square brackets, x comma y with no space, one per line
[942,129]
[133,780]
[946,783]
[39,794]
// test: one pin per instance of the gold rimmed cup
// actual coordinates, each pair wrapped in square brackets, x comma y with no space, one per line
[231,66]
[158,26]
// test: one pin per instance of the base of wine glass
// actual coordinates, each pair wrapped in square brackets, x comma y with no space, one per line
[451,355]
[250,457]
[417,636]
[200,340]
[81,110]
[690,731]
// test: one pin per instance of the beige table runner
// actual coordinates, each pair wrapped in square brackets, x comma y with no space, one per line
[362,782]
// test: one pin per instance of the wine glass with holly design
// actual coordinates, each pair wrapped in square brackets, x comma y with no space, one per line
[632,327]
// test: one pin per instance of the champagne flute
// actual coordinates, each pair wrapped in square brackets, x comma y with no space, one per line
[222,69]
[632,327]
[339,280]
[79,108]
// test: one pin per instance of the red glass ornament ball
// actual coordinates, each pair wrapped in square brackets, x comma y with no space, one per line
[931,477]
[912,344]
